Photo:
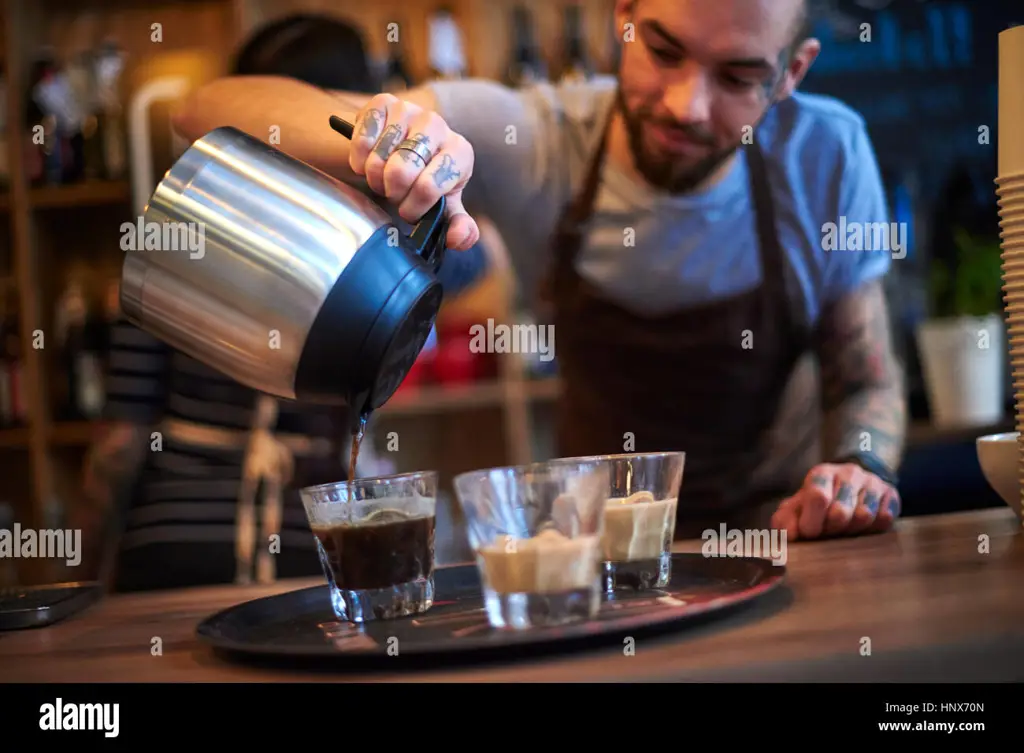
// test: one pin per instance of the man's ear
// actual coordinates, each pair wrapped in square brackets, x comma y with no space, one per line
[799,64]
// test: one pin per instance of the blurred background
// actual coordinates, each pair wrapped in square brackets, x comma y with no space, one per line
[98,79]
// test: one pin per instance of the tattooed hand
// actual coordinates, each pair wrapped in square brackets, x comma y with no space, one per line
[838,500]
[410,156]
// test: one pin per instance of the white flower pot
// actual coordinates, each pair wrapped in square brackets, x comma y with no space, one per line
[964,364]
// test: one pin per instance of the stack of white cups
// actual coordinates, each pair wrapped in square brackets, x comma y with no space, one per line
[1010,190]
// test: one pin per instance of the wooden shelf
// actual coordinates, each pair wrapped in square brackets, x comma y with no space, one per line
[71,433]
[14,439]
[89,194]
[61,434]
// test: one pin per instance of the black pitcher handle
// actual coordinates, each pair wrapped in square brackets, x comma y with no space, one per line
[429,237]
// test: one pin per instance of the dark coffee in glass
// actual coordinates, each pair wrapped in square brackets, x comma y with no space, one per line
[375,537]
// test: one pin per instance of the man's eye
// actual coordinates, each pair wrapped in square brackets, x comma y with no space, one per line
[739,82]
[665,55]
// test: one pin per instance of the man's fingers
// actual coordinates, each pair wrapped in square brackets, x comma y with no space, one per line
[425,136]
[389,140]
[888,510]
[463,232]
[411,157]
[787,518]
[868,505]
[816,496]
[443,175]
[848,483]
[370,124]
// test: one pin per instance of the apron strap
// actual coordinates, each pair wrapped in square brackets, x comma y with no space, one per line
[268,464]
[568,235]
[579,210]
[764,211]
[774,265]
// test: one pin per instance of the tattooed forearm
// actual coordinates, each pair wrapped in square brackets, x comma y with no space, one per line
[793,444]
[854,347]
[861,381]
[873,421]
[446,171]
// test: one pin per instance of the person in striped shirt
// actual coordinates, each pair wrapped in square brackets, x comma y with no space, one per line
[182,484]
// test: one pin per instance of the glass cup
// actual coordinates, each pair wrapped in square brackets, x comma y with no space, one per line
[375,537]
[639,517]
[536,533]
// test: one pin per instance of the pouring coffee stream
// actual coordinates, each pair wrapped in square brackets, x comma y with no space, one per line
[347,129]
[303,288]
[357,439]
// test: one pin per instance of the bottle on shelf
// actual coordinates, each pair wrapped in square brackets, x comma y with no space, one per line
[74,118]
[72,87]
[33,141]
[87,145]
[110,117]
[54,90]
[526,66]
[80,338]
[44,157]
[576,64]
[447,52]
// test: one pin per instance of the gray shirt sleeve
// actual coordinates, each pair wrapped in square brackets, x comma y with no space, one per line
[510,131]
[520,171]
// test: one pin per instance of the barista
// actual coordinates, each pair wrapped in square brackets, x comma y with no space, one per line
[681,247]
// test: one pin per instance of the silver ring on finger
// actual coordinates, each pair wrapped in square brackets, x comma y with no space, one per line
[421,150]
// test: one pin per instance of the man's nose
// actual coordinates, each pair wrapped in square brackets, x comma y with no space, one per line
[688,95]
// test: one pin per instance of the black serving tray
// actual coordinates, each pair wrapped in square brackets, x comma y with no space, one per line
[300,624]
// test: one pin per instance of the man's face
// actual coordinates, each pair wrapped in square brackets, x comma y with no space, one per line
[696,75]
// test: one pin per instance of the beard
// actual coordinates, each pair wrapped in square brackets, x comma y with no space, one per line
[660,170]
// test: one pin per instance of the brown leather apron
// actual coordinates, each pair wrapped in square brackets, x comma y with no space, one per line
[707,380]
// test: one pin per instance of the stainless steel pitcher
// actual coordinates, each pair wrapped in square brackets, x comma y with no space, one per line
[281,277]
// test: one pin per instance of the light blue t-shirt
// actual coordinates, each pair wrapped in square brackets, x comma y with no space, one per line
[531,150]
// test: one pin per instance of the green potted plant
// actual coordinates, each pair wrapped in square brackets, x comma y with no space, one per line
[962,343]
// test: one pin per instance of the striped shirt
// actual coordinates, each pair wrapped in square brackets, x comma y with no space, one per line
[180,527]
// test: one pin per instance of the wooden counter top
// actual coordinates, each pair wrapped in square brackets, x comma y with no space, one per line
[934,607]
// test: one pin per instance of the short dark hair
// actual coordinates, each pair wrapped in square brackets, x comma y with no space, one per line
[318,50]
